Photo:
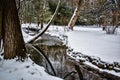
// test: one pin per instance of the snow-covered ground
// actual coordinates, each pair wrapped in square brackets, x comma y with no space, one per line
[28,70]
[95,42]
[15,70]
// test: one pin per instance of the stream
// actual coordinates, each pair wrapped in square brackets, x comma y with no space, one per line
[65,67]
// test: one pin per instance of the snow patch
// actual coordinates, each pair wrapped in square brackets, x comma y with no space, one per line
[28,70]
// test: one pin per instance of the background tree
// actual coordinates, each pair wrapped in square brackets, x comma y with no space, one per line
[113,15]
[75,15]
[64,13]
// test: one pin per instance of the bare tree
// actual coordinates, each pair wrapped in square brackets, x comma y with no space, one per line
[75,15]
[115,14]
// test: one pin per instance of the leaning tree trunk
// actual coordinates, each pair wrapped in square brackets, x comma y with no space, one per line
[75,15]
[47,26]
[13,39]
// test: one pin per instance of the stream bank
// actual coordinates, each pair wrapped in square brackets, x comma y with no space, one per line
[64,65]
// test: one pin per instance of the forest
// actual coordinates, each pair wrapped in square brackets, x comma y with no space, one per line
[59,39]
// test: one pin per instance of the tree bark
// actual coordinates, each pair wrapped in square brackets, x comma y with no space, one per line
[75,15]
[1,19]
[13,39]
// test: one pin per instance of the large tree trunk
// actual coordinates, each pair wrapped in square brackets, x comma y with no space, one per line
[0,19]
[13,39]
[75,15]
[0,22]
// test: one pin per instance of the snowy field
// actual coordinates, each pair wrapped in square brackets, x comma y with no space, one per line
[95,42]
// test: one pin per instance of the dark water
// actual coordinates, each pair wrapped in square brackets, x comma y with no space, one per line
[63,65]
